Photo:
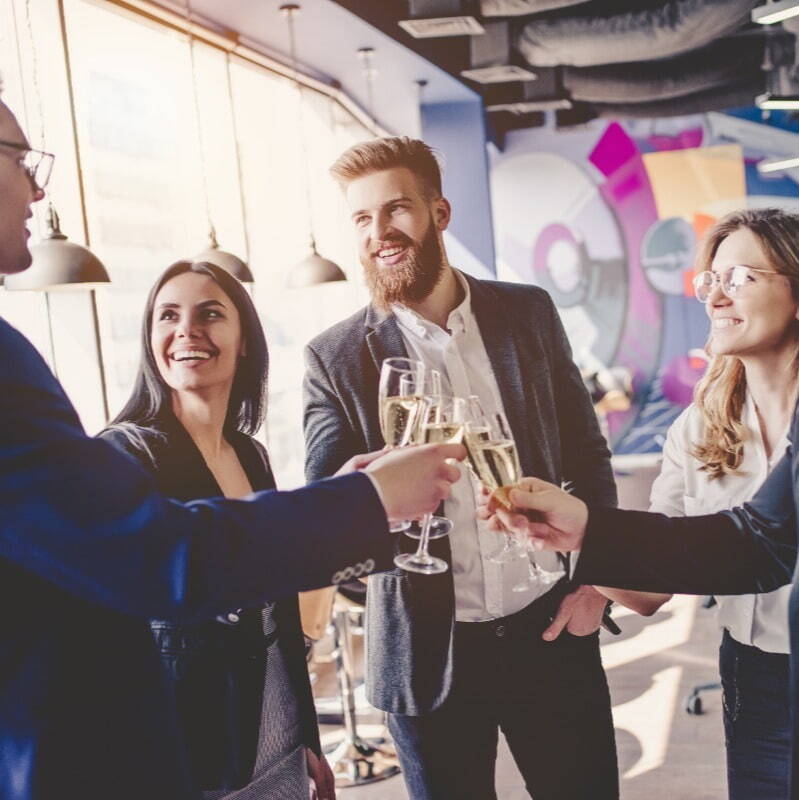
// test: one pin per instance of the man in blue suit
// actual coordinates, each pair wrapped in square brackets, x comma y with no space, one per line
[88,550]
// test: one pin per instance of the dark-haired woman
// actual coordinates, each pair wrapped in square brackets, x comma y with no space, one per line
[240,681]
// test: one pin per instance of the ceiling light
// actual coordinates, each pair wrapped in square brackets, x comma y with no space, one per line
[58,263]
[774,12]
[502,73]
[777,165]
[313,269]
[434,27]
[224,260]
[776,102]
[528,106]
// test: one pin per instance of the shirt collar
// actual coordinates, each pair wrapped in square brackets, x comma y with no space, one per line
[460,319]
[750,419]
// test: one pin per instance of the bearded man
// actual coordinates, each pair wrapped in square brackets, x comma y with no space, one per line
[456,657]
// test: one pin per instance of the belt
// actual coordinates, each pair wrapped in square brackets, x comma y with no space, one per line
[537,614]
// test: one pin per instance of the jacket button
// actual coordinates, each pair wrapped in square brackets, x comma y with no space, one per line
[499,631]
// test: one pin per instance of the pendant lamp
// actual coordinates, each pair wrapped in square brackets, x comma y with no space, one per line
[213,255]
[227,261]
[58,263]
[313,269]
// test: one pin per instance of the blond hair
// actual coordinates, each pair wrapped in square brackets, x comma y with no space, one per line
[720,394]
[376,155]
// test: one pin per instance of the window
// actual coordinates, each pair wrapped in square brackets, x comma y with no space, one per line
[144,174]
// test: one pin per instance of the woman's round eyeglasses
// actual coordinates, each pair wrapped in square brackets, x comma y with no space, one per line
[732,280]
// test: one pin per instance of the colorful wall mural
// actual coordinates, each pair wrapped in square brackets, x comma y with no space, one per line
[607,219]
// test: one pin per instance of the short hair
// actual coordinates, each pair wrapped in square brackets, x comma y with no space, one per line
[377,155]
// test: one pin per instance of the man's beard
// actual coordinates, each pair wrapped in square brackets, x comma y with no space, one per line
[413,278]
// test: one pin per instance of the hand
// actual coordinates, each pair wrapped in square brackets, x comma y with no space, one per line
[359,462]
[321,774]
[414,480]
[552,518]
[580,613]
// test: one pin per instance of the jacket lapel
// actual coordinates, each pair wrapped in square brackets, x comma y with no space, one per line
[383,336]
[507,358]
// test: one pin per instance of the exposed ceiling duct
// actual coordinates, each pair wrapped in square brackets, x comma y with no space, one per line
[635,58]
[710,67]
[674,27]
[716,99]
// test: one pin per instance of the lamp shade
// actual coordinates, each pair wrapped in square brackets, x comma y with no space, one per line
[224,260]
[58,263]
[314,269]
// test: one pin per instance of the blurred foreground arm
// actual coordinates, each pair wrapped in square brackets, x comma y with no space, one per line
[747,550]
[87,518]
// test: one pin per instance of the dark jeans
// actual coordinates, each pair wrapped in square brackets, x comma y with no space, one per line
[550,699]
[756,721]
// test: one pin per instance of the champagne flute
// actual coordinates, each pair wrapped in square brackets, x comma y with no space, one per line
[400,400]
[444,422]
[495,460]
[497,464]
[439,526]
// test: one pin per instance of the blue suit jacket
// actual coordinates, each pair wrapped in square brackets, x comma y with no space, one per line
[746,550]
[87,548]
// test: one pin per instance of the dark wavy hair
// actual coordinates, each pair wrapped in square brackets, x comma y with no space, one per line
[151,397]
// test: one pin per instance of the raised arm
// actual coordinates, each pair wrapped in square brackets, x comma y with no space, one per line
[80,514]
[747,550]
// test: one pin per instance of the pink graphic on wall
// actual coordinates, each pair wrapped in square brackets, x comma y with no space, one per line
[626,189]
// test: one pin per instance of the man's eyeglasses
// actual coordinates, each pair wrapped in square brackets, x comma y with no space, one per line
[732,280]
[37,164]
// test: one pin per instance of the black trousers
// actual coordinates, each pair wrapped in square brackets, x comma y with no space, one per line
[550,700]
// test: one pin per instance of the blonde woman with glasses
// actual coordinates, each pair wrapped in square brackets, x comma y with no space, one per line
[718,453]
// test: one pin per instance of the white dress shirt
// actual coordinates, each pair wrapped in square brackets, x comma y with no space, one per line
[483,588]
[682,489]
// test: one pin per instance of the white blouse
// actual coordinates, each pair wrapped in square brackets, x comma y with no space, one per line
[682,489]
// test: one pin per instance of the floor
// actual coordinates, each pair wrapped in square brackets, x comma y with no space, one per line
[664,753]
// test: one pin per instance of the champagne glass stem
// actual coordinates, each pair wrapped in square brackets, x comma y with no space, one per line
[424,538]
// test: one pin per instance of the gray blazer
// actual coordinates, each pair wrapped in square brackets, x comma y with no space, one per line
[410,617]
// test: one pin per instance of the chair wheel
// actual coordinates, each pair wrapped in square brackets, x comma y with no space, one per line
[694,705]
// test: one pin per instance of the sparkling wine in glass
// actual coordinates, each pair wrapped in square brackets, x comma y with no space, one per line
[439,526]
[497,462]
[444,423]
[400,402]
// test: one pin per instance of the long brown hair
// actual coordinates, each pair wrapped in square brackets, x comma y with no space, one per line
[720,394]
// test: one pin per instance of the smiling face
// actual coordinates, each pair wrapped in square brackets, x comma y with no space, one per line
[16,197]
[399,234]
[762,316]
[195,334]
